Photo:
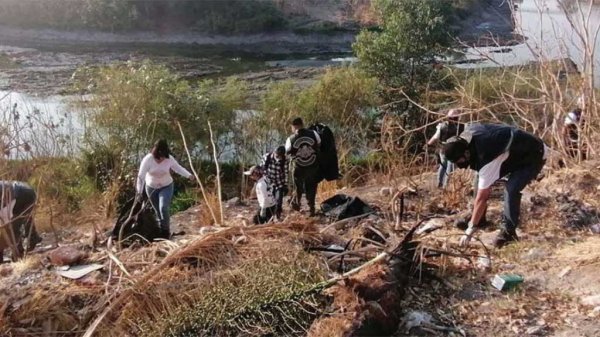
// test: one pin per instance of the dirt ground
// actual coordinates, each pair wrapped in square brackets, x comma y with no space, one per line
[561,266]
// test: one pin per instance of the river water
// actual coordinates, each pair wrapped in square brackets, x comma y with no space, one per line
[551,32]
[39,126]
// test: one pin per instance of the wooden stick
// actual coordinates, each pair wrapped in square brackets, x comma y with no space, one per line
[118,262]
[220,194]
[187,151]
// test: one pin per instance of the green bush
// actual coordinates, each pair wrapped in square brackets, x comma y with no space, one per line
[135,104]
[63,181]
[183,200]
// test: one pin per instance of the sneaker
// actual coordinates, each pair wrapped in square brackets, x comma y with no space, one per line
[504,238]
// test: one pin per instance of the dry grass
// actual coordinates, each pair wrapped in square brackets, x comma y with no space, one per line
[205,216]
[165,278]
[327,189]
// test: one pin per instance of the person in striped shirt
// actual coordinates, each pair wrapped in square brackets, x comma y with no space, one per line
[276,167]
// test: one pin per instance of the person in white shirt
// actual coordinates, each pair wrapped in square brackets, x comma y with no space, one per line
[17,202]
[264,194]
[571,129]
[154,178]
[444,131]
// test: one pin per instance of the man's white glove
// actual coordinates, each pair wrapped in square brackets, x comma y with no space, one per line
[465,239]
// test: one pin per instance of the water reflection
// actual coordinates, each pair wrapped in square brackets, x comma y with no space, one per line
[31,126]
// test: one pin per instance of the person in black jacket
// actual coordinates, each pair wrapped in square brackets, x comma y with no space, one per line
[303,146]
[17,203]
[495,151]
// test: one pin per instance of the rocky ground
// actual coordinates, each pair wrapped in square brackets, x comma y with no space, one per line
[450,292]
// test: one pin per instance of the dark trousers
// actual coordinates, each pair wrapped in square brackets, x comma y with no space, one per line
[280,192]
[517,181]
[306,181]
[23,226]
[258,220]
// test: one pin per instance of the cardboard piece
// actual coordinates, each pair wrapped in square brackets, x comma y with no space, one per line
[77,272]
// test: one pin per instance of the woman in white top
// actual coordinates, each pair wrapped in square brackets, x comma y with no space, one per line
[155,174]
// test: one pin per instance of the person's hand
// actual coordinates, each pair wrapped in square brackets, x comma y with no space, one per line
[465,239]
[263,212]
[192,178]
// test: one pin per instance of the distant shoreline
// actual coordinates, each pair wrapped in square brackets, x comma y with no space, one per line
[268,43]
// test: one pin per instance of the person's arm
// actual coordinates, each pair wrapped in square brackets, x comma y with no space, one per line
[265,159]
[480,205]
[286,170]
[317,137]
[434,139]
[179,169]
[141,177]
[288,145]
[488,174]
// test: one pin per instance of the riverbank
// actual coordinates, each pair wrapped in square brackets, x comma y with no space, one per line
[45,61]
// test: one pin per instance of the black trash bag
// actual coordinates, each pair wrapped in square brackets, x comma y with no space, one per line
[341,206]
[138,221]
[327,157]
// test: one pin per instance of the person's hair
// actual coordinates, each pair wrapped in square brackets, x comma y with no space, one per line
[454,148]
[161,149]
[280,150]
[297,122]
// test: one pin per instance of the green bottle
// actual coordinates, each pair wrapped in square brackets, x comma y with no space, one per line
[507,281]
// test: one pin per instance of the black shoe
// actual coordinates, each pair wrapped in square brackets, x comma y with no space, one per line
[504,238]
[32,242]
[295,206]
[313,213]
[165,234]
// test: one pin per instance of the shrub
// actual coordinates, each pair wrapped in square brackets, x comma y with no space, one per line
[62,181]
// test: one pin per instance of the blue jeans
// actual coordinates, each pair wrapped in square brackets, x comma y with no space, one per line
[446,167]
[160,199]
[517,180]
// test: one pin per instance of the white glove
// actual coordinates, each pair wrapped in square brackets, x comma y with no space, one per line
[465,239]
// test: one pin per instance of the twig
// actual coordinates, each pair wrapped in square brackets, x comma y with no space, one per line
[220,195]
[343,221]
[187,151]
[118,262]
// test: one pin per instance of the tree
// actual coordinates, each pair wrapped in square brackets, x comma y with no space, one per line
[412,34]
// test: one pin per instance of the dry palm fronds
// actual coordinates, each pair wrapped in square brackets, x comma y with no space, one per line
[204,254]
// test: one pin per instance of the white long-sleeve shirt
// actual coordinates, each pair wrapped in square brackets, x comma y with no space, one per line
[157,175]
[264,194]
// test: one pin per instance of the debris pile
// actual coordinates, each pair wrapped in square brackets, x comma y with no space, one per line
[575,214]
